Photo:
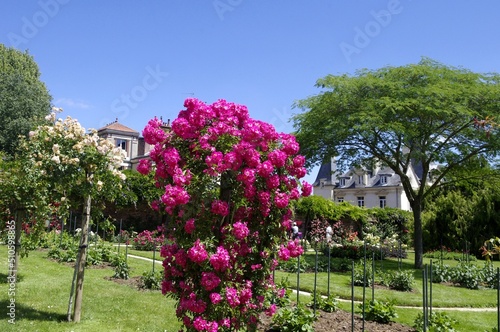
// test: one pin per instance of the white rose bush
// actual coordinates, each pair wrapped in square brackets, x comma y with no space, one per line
[77,167]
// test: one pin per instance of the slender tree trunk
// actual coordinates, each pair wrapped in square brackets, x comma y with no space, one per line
[71,293]
[82,258]
[418,235]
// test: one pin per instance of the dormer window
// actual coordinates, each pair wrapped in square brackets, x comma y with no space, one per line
[383,179]
[342,182]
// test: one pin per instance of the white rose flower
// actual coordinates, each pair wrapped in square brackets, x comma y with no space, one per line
[51,117]
[56,149]
[56,159]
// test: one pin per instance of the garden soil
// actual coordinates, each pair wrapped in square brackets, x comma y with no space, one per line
[326,322]
[340,321]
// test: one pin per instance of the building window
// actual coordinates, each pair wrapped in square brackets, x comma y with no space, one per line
[382,201]
[361,201]
[360,179]
[342,182]
[340,199]
[383,179]
[121,143]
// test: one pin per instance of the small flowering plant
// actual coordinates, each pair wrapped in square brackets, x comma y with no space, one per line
[228,182]
[148,240]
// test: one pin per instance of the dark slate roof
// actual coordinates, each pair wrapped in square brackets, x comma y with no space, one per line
[418,169]
[325,172]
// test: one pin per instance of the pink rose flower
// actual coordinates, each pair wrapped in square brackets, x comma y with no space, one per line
[197,252]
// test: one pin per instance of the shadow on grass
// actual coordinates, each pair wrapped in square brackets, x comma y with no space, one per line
[3,278]
[24,312]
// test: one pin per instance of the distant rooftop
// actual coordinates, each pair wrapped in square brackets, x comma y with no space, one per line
[116,127]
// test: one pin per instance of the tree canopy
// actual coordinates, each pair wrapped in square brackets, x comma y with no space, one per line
[24,99]
[416,115]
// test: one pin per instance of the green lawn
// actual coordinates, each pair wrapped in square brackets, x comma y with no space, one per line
[42,296]
[43,290]
[443,296]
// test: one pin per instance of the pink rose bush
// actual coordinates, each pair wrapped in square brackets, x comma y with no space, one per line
[228,183]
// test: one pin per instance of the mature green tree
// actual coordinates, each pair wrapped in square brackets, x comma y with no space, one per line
[22,195]
[24,99]
[419,114]
[464,214]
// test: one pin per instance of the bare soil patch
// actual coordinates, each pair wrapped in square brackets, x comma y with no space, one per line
[341,321]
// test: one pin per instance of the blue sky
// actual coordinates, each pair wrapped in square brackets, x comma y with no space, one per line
[134,60]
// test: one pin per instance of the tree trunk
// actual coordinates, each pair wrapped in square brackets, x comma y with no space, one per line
[82,258]
[418,234]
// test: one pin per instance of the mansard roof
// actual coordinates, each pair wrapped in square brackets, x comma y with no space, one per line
[325,172]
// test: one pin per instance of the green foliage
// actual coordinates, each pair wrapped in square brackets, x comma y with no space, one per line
[151,280]
[490,276]
[63,240]
[452,211]
[281,296]
[341,264]
[121,267]
[24,98]
[427,113]
[441,273]
[96,254]
[467,275]
[315,207]
[294,319]
[389,221]
[402,280]
[380,312]
[63,256]
[447,254]
[362,276]
[438,322]
[292,265]
[324,303]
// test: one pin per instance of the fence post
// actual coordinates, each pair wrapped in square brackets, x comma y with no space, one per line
[329,264]
[373,276]
[352,297]
[120,237]
[315,278]
[154,256]
[364,285]
[298,278]
[430,290]
[424,293]
[400,255]
[498,298]
[126,251]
